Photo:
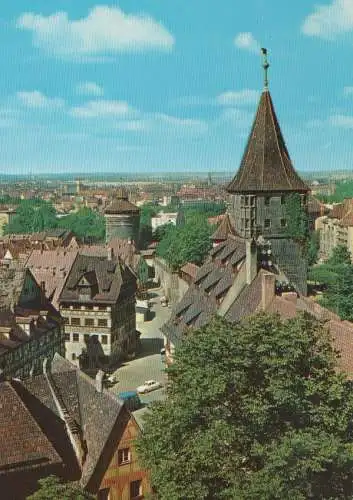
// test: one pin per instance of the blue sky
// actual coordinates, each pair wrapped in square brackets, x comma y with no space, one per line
[156,85]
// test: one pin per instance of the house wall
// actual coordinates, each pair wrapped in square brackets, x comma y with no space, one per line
[29,356]
[118,335]
[173,286]
[118,477]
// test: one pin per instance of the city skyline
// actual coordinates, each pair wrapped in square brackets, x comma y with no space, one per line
[144,86]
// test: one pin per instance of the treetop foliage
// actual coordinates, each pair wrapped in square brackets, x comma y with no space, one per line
[36,215]
[186,243]
[337,275]
[52,488]
[254,411]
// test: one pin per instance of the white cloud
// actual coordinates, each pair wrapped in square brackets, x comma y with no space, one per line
[341,121]
[187,124]
[101,108]
[36,99]
[104,30]
[238,117]
[246,96]
[327,21]
[347,91]
[246,41]
[90,88]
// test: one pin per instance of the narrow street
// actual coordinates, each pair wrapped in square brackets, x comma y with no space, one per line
[148,363]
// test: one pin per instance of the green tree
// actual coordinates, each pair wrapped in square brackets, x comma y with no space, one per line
[254,411]
[52,488]
[313,247]
[161,231]
[339,295]
[339,255]
[297,220]
[87,224]
[32,216]
[187,243]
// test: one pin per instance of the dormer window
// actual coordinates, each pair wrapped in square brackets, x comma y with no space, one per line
[267,200]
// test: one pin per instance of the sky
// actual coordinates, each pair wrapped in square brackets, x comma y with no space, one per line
[169,86]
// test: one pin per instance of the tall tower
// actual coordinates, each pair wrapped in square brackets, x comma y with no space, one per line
[122,218]
[264,180]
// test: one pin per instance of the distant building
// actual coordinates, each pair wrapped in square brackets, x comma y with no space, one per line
[6,216]
[98,306]
[122,218]
[64,423]
[163,218]
[31,329]
[336,229]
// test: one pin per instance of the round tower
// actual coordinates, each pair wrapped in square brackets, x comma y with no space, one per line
[122,218]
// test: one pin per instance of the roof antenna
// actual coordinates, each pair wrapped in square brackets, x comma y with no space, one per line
[265,67]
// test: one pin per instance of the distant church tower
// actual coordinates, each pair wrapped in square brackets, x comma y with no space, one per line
[122,218]
[259,190]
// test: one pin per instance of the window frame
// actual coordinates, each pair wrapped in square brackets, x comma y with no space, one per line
[122,460]
[75,337]
[132,485]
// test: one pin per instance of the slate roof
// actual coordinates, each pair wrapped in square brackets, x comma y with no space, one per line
[23,445]
[201,300]
[52,267]
[266,165]
[121,204]
[112,280]
[190,269]
[96,413]
[224,229]
[247,302]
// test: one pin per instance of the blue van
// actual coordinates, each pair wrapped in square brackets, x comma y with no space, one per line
[131,399]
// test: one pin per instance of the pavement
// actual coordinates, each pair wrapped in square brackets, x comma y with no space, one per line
[148,364]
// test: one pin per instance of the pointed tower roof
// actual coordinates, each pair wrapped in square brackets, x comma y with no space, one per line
[266,164]
[223,230]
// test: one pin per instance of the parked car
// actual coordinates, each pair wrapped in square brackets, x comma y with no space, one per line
[132,400]
[148,386]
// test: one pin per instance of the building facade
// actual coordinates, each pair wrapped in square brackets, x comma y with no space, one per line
[336,229]
[31,329]
[98,307]
[122,218]
[64,423]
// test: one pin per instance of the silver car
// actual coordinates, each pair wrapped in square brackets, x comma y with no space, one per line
[148,386]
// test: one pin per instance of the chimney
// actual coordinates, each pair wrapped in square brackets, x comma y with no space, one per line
[251,260]
[110,253]
[99,380]
[268,282]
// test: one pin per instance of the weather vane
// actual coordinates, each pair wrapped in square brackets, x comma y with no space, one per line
[265,65]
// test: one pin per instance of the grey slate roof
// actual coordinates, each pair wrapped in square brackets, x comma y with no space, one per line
[96,413]
[201,300]
[108,279]
[266,165]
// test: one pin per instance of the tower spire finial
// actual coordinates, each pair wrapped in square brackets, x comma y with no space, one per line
[265,66]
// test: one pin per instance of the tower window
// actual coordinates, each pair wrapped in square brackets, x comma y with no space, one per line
[246,223]
[246,201]
[267,200]
[267,223]
[283,200]
[283,223]
[252,201]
